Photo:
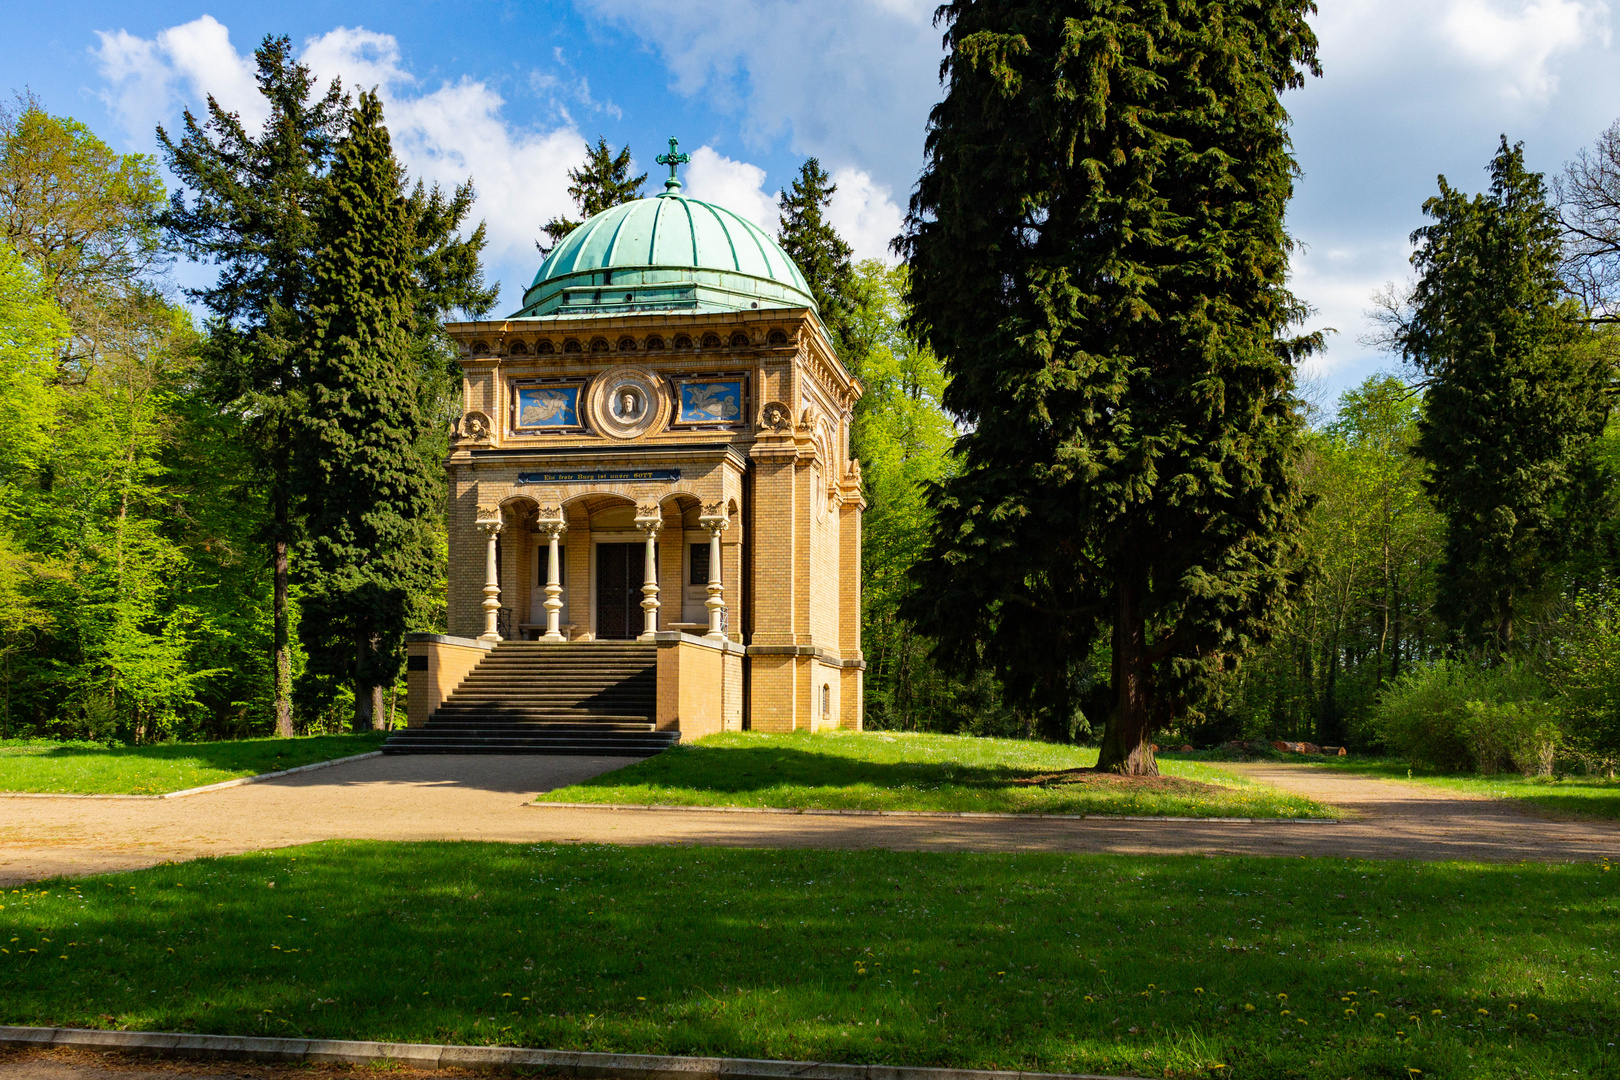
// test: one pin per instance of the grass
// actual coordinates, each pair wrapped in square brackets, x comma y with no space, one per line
[889,771]
[81,768]
[1569,796]
[1175,966]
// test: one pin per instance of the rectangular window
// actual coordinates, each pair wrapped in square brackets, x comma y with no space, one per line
[700,565]
[542,571]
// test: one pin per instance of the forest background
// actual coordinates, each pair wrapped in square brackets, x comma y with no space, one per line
[137,601]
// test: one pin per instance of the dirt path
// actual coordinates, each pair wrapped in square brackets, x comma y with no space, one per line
[485,798]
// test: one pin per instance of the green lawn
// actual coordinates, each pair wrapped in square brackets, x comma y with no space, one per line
[1169,966]
[93,769]
[1572,796]
[890,771]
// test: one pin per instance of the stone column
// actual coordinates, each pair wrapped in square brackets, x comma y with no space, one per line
[714,519]
[489,520]
[553,525]
[650,519]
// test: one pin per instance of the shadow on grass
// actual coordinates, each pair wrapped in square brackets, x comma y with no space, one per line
[1019,961]
[232,754]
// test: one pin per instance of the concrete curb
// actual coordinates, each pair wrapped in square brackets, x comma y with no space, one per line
[222,785]
[919,813]
[558,1062]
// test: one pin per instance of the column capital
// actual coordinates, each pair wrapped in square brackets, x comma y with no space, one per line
[650,518]
[552,527]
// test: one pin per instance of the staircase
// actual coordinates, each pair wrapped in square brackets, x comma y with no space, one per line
[597,698]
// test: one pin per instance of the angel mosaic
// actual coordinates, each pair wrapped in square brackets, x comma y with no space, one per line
[549,407]
[711,403]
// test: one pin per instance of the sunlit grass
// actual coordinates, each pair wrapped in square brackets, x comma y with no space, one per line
[1182,966]
[1573,796]
[892,771]
[81,768]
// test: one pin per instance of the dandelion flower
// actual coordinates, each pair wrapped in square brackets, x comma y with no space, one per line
[1483,1012]
[1378,1016]
[1200,990]
[1248,1008]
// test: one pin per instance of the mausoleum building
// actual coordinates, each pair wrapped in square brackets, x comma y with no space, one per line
[654,452]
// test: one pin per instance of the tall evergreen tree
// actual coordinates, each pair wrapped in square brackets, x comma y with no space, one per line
[1099,259]
[820,253]
[1515,395]
[367,480]
[603,182]
[251,215]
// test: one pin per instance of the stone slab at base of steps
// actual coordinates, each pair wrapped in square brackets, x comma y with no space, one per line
[578,1063]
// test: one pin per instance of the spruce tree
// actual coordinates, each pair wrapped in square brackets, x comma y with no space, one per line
[365,485]
[601,184]
[816,248]
[1098,257]
[1515,395]
[251,215]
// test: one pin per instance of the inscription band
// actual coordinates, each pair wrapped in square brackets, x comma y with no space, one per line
[591,476]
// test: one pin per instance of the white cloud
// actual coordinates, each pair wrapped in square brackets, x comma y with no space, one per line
[442,136]
[736,185]
[864,214]
[849,81]
[1519,43]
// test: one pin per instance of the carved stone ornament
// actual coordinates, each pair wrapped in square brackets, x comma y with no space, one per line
[628,402]
[489,515]
[807,420]
[474,426]
[775,416]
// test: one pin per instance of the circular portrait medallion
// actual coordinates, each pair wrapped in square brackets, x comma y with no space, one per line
[627,402]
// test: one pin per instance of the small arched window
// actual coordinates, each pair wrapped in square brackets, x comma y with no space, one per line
[655,342]
[739,340]
[519,349]
[627,344]
[571,345]
[599,345]
[544,347]
[480,348]
[711,341]
[682,341]
[778,338]
[826,701]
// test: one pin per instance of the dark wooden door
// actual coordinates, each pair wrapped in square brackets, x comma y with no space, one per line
[618,590]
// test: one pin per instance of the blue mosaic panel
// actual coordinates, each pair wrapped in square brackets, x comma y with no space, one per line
[711,402]
[548,406]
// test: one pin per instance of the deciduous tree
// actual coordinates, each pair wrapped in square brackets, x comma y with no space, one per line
[1098,257]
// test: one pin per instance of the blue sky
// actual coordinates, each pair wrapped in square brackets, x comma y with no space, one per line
[508,92]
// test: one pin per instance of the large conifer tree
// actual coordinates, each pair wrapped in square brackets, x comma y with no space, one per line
[367,485]
[603,182]
[251,215]
[1514,400]
[1098,256]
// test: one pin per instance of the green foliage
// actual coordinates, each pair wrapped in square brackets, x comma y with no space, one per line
[819,252]
[1098,257]
[886,771]
[1515,395]
[603,182]
[1461,715]
[1364,615]
[1307,969]
[1587,674]
[366,485]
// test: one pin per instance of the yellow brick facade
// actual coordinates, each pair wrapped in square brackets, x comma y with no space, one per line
[776,471]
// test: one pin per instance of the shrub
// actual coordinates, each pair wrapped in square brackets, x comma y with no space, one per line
[1460,715]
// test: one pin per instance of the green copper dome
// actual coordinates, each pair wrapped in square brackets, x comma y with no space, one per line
[668,253]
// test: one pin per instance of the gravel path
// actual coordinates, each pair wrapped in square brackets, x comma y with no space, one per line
[433,797]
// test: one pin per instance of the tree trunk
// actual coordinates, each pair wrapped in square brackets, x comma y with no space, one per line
[281,649]
[369,714]
[1125,748]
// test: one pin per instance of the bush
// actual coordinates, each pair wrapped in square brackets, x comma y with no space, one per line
[1462,716]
